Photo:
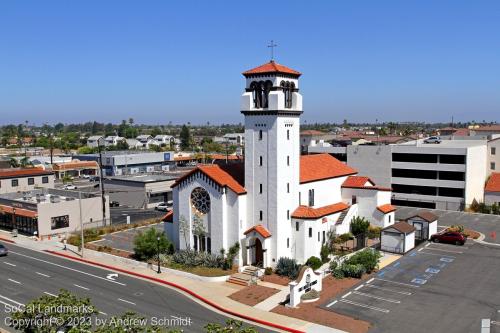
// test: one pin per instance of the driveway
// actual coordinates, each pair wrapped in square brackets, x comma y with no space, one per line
[487,224]
[124,240]
[434,288]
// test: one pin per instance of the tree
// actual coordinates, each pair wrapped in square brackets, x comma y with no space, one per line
[25,162]
[13,162]
[56,312]
[359,225]
[185,137]
[156,131]
[184,229]
[122,145]
[147,245]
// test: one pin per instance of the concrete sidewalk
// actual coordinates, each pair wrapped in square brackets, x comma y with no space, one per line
[215,292]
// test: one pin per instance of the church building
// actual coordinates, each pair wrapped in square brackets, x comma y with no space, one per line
[276,203]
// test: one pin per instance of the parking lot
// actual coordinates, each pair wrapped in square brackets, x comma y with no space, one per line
[434,288]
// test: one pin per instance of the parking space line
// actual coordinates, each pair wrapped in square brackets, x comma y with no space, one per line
[123,300]
[47,293]
[359,287]
[449,246]
[439,255]
[370,280]
[420,249]
[433,249]
[330,304]
[376,297]
[10,300]
[347,294]
[84,288]
[401,283]
[364,306]
[14,281]
[44,275]
[8,263]
[427,244]
[387,289]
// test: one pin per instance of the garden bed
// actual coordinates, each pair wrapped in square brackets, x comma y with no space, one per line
[275,278]
[313,313]
[253,294]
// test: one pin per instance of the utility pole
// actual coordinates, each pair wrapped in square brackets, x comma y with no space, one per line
[101,182]
[81,221]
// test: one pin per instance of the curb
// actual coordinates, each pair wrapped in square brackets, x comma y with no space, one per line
[7,240]
[184,289]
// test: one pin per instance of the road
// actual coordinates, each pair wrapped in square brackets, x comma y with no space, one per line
[27,274]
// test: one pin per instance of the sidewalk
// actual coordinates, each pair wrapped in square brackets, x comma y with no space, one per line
[208,292]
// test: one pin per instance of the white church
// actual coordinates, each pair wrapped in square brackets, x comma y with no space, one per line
[276,203]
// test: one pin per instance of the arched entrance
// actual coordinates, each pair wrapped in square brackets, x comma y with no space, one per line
[259,254]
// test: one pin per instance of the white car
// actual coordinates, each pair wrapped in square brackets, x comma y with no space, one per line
[164,207]
[433,139]
[69,187]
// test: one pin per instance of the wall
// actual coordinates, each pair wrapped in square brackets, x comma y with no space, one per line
[372,161]
[493,158]
[491,197]
[6,184]
[326,192]
[476,174]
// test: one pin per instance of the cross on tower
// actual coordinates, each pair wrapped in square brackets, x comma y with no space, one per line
[272,46]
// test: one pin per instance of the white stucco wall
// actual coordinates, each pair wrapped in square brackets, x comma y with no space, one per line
[491,197]
[493,156]
[476,173]
[326,192]
[6,184]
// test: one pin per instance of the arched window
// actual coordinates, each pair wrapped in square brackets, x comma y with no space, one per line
[288,88]
[267,89]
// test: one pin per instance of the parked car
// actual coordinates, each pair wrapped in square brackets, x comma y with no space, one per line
[3,251]
[163,207]
[114,204]
[69,187]
[433,139]
[86,176]
[451,237]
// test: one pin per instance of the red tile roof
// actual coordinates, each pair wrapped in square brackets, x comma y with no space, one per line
[386,209]
[357,182]
[12,173]
[169,217]
[425,215]
[495,127]
[311,132]
[271,67]
[223,157]
[493,184]
[309,213]
[322,166]
[19,211]
[217,174]
[260,229]
[402,227]
[75,165]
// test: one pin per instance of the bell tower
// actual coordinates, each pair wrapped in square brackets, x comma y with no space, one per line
[272,107]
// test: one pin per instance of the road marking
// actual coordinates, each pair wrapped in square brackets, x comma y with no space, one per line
[449,246]
[364,306]
[8,304]
[346,294]
[401,283]
[11,300]
[420,249]
[8,263]
[103,313]
[432,270]
[377,297]
[387,289]
[112,276]
[47,293]
[328,305]
[76,285]
[427,244]
[45,275]
[14,281]
[433,249]
[126,301]
[370,280]
[419,281]
[68,268]
[439,255]
[359,287]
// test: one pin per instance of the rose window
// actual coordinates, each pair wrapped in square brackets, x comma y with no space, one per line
[200,199]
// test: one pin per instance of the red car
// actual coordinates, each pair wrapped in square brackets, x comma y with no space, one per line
[451,237]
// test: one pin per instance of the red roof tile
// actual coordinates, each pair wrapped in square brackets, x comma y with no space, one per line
[425,215]
[322,166]
[386,209]
[311,132]
[357,182]
[216,173]
[260,229]
[19,211]
[402,227]
[271,67]
[309,213]
[493,184]
[495,127]
[75,165]
[10,173]
[169,217]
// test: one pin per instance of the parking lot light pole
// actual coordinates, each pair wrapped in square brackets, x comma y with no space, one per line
[100,143]
[158,244]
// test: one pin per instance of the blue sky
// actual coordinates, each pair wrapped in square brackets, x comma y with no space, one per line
[180,61]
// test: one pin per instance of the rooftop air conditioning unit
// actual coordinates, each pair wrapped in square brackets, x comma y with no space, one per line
[54,198]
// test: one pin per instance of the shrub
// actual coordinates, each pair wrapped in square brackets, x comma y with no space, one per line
[231,254]
[344,238]
[333,265]
[359,225]
[457,228]
[287,267]
[354,271]
[324,253]
[368,258]
[338,273]
[314,262]
[268,271]
[191,258]
[374,232]
[147,245]
[310,295]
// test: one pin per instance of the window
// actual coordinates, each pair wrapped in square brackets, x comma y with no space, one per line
[354,200]
[288,214]
[288,88]
[31,181]
[310,232]
[260,134]
[493,150]
[287,187]
[287,243]
[311,197]
[260,215]
[209,245]
[45,180]
[324,237]
[260,188]
[319,236]
[492,166]
[300,198]
[195,242]
[260,160]
[296,226]
[260,93]
[389,218]
[288,136]
[15,182]
[58,222]
[288,160]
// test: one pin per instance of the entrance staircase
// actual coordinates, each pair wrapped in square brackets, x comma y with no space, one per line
[245,277]
[342,216]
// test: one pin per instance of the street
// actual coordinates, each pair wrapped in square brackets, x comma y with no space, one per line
[27,274]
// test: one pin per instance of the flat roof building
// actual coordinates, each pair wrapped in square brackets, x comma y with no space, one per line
[25,179]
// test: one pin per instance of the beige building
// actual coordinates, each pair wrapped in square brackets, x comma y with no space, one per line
[18,180]
[493,156]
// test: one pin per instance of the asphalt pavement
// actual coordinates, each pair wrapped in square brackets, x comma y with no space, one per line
[27,274]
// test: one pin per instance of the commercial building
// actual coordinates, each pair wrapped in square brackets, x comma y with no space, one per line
[75,168]
[49,211]
[16,180]
[117,163]
[140,191]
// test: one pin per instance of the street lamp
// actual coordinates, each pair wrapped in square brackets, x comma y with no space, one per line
[158,244]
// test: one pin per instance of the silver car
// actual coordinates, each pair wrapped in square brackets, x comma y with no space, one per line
[3,251]
[433,139]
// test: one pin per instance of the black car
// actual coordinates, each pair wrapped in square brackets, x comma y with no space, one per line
[114,204]
[3,251]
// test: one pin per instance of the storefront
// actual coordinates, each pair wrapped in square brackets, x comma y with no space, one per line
[23,220]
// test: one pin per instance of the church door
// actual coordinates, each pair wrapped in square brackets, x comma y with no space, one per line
[259,255]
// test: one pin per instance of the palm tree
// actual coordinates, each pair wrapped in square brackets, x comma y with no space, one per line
[14,163]
[25,162]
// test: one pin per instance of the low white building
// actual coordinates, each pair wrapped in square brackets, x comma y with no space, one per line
[165,140]
[19,180]
[398,238]
[93,141]
[494,155]
[113,140]
[425,224]
[492,190]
